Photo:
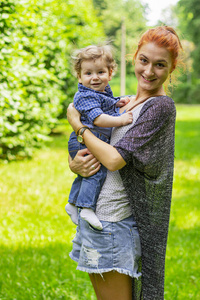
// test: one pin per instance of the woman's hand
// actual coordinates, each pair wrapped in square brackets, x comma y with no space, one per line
[84,163]
[73,117]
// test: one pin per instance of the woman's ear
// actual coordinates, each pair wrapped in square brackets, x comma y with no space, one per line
[173,67]
[172,70]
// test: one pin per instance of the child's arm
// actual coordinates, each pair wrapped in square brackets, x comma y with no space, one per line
[110,121]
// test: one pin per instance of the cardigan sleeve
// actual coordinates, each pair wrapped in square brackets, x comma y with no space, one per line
[143,143]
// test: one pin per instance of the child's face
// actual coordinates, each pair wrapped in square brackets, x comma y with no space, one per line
[95,74]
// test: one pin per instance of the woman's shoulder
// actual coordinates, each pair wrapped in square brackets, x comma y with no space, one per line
[163,103]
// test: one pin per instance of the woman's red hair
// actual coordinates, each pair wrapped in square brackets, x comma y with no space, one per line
[165,37]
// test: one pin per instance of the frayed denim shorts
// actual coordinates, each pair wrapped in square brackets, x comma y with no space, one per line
[115,248]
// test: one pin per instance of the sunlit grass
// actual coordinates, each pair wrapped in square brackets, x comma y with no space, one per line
[36,233]
[183,254]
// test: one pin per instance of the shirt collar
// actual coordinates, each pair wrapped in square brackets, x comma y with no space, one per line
[108,91]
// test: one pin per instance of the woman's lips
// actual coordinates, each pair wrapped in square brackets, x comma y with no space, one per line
[148,80]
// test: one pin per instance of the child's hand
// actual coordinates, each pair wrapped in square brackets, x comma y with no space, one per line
[126,118]
[123,101]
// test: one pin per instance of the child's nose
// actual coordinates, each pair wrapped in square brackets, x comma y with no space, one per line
[95,76]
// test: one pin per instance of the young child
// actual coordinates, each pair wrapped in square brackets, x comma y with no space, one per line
[94,66]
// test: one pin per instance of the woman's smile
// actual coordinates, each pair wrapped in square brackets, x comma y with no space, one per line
[147,79]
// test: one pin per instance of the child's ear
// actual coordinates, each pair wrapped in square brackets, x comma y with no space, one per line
[79,79]
[110,74]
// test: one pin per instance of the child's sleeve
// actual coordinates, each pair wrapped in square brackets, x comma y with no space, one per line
[89,106]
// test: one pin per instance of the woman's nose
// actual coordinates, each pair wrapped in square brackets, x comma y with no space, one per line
[149,70]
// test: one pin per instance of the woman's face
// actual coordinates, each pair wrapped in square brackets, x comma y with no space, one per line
[152,67]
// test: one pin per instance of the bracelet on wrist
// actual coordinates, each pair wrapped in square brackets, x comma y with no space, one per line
[80,133]
[77,131]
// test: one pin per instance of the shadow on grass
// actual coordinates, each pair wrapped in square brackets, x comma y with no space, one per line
[42,273]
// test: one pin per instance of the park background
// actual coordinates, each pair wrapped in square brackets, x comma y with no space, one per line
[36,85]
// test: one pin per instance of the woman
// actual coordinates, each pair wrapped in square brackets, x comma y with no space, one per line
[136,196]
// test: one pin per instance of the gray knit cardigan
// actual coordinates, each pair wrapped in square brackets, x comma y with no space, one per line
[148,149]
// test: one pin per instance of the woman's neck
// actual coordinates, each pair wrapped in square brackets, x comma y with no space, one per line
[145,94]
[140,98]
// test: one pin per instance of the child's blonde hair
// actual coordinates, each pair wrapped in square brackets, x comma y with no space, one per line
[94,52]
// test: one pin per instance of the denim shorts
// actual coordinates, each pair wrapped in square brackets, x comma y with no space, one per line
[115,248]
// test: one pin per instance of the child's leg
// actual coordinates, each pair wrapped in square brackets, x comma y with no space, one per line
[88,215]
[75,188]
[72,211]
[89,192]
[88,195]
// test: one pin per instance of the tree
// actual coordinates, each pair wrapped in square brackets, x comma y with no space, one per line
[112,12]
[188,13]
[189,18]
[37,38]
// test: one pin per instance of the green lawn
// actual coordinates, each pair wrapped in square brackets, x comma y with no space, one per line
[36,233]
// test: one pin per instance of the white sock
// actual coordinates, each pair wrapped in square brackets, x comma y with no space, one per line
[72,211]
[88,215]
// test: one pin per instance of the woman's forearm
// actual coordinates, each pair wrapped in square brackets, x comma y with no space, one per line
[105,153]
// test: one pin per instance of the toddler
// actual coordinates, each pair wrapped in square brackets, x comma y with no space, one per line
[94,66]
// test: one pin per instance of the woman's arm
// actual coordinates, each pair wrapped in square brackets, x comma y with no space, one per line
[105,153]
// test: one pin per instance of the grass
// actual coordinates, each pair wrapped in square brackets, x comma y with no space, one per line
[183,254]
[36,233]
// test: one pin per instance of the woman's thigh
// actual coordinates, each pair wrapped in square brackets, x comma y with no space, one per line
[112,285]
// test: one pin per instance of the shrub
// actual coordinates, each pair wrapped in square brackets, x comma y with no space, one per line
[37,38]
[187,93]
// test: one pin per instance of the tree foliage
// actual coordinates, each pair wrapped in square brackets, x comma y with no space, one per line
[37,38]
[188,13]
[112,13]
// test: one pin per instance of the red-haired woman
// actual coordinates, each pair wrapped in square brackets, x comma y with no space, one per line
[126,260]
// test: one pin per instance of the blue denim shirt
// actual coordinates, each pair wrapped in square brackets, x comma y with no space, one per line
[91,104]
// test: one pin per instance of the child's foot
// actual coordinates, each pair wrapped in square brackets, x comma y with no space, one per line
[72,211]
[88,215]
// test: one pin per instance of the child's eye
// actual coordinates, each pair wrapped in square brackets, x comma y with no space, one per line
[88,73]
[101,72]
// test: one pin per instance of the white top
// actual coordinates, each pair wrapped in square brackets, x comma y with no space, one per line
[113,204]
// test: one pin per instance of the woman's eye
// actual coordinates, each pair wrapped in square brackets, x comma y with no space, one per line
[143,60]
[160,65]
